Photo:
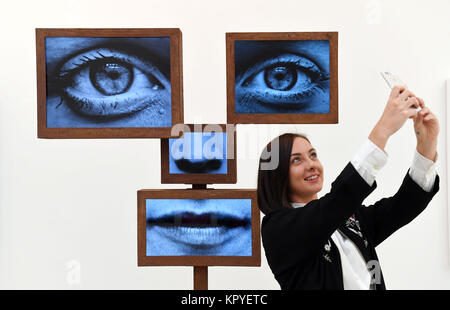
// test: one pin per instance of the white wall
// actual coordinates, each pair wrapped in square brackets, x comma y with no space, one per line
[68,204]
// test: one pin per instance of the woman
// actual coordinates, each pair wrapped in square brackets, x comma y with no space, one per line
[329,242]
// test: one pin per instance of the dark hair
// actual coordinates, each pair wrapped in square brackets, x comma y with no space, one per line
[273,184]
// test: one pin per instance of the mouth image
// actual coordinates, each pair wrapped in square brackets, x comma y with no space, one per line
[198,229]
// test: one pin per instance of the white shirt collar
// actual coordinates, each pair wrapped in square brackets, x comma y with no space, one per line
[297,204]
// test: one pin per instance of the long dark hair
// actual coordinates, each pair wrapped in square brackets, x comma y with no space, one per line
[273,184]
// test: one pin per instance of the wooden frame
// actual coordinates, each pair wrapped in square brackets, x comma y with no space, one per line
[175,96]
[143,260]
[282,118]
[202,178]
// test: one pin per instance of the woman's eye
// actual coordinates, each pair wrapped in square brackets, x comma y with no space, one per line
[285,81]
[314,155]
[296,160]
[104,82]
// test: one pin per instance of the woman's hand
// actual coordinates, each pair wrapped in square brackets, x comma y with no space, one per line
[398,109]
[426,127]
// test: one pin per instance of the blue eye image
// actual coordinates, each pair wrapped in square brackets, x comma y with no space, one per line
[286,76]
[198,152]
[198,227]
[108,82]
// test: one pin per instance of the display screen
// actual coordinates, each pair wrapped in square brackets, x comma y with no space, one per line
[282,76]
[198,152]
[198,227]
[108,82]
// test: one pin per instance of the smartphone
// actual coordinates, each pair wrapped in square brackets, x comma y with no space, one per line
[392,79]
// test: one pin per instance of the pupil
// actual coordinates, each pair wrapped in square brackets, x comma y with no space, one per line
[280,77]
[111,78]
[113,75]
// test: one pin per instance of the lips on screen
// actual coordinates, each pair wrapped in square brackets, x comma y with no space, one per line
[198,152]
[198,227]
[108,82]
[282,76]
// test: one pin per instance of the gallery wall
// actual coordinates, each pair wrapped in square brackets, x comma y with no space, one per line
[68,206]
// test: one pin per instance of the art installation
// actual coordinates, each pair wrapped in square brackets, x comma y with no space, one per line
[127,83]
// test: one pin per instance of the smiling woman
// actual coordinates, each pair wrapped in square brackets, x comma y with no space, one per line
[329,242]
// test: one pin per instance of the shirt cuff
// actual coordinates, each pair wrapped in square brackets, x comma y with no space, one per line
[423,171]
[369,160]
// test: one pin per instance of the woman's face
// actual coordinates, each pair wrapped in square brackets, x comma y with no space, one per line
[304,164]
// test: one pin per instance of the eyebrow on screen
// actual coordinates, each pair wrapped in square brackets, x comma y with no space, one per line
[295,154]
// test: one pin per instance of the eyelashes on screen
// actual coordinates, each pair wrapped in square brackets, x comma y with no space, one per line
[104,82]
[285,81]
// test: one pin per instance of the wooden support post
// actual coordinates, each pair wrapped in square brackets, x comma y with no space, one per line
[200,277]
[198,186]
[200,272]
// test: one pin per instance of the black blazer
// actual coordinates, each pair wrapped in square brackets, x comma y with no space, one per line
[298,244]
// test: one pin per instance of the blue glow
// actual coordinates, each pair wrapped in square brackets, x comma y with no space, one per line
[198,152]
[108,82]
[199,227]
[282,76]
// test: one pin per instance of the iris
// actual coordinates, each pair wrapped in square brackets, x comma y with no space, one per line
[280,77]
[111,78]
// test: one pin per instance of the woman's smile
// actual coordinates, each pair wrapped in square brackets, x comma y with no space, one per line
[312,179]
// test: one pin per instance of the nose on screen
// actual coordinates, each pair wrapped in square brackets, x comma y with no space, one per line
[198,165]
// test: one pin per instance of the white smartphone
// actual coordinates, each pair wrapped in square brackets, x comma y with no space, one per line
[392,79]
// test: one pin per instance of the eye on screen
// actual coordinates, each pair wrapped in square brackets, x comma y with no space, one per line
[108,82]
[282,76]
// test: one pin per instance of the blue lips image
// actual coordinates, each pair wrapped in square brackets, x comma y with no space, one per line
[196,227]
